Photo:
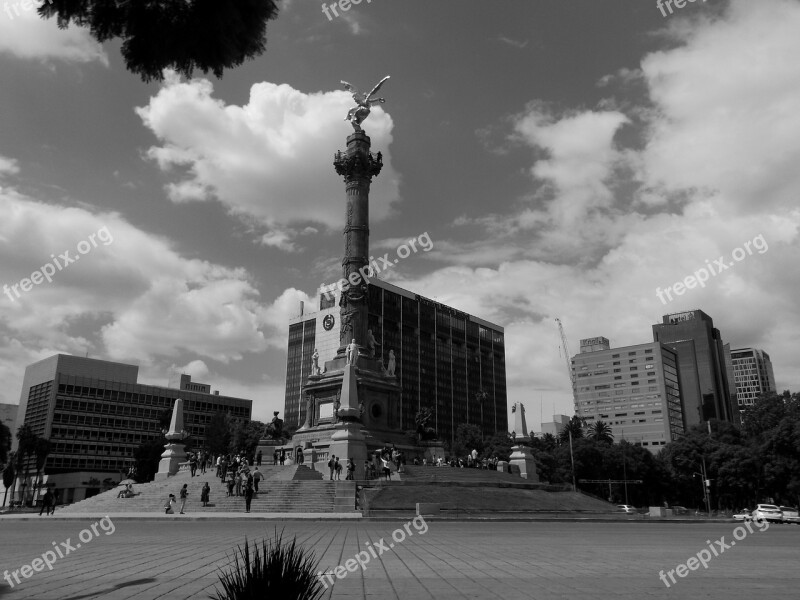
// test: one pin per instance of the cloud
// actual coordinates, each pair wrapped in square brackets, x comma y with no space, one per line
[25,35]
[269,160]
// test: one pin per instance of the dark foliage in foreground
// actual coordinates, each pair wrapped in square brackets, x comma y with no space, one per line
[280,571]
[209,35]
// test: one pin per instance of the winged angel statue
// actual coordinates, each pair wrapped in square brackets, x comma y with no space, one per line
[357,114]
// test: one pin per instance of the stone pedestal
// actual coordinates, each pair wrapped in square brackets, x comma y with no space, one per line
[348,442]
[522,457]
[174,453]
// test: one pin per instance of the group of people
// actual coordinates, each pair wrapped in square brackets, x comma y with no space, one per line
[470,461]
[199,460]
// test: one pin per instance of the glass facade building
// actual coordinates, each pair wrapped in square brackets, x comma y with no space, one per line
[752,370]
[444,358]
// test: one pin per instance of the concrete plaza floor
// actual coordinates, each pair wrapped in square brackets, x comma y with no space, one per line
[173,559]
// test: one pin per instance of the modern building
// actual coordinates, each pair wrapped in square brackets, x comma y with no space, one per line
[444,358]
[554,427]
[95,415]
[707,387]
[8,416]
[752,370]
[634,389]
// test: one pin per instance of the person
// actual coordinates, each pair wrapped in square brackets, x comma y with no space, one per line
[282,458]
[184,495]
[338,468]
[387,472]
[300,457]
[275,458]
[168,505]
[351,469]
[230,485]
[258,458]
[127,492]
[47,502]
[256,479]
[367,469]
[248,493]
[331,466]
[193,464]
[238,482]
[203,460]
[204,494]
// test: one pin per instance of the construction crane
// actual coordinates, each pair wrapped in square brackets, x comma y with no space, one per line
[566,352]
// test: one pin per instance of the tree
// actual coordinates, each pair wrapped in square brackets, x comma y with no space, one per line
[423,420]
[147,457]
[5,443]
[499,445]
[468,438]
[575,425]
[218,434]
[27,439]
[9,475]
[600,431]
[209,35]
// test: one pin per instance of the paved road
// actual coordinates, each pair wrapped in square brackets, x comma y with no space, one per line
[148,559]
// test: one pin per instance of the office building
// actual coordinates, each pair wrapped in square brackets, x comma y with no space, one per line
[635,389]
[554,427]
[707,387]
[8,416]
[95,415]
[444,357]
[752,370]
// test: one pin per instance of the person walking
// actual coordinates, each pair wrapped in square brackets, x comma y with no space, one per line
[331,465]
[47,502]
[204,494]
[248,493]
[193,464]
[184,495]
[258,458]
[256,478]
[282,457]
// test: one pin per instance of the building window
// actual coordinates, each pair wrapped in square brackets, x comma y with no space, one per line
[616,362]
[615,356]
[632,353]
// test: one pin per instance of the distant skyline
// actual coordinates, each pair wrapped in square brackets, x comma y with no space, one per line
[566,159]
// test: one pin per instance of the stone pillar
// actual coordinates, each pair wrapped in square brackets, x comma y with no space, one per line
[348,441]
[521,455]
[174,453]
[358,166]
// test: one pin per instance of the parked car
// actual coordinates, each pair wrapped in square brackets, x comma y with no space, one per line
[742,516]
[790,515]
[767,512]
[679,510]
[627,509]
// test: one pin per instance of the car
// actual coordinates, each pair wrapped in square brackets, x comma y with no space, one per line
[767,512]
[627,509]
[790,515]
[742,516]
[679,510]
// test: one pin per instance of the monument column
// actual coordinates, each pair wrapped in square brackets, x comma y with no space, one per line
[358,166]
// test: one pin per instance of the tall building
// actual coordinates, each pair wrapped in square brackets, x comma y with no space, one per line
[444,357]
[95,415]
[703,360]
[635,389]
[8,416]
[752,369]
[554,427]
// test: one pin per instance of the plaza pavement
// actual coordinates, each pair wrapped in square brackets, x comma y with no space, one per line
[168,558]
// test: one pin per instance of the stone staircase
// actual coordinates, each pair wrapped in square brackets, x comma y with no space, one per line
[287,489]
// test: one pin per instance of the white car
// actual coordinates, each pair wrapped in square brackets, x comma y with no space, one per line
[767,512]
[790,515]
[627,509]
[742,516]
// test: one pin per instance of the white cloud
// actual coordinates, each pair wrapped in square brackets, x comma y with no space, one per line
[27,36]
[270,159]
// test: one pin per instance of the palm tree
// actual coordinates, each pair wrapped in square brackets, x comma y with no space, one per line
[601,432]
[27,447]
[549,441]
[574,426]
[9,475]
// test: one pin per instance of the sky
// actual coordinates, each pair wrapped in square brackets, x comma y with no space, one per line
[567,158]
